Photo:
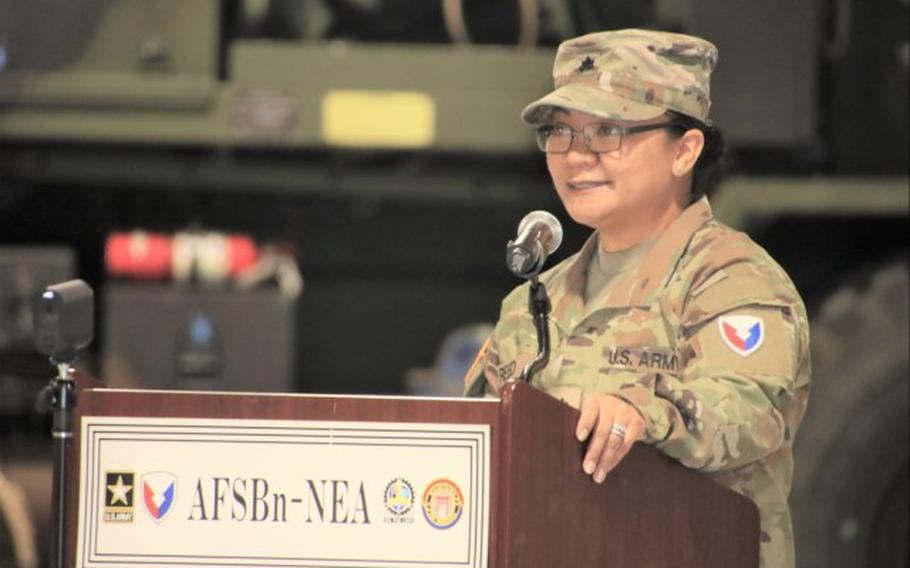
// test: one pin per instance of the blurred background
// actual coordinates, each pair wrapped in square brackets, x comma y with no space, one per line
[314,196]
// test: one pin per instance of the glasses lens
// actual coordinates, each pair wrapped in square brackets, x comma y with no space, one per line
[602,137]
[543,136]
[554,138]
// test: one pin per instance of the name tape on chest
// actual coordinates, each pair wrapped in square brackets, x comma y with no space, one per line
[652,359]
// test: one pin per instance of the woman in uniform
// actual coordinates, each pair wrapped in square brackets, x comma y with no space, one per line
[668,328]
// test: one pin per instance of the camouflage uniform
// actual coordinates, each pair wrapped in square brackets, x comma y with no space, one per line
[707,339]
[655,338]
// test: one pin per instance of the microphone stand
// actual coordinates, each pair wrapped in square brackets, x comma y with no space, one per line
[539,305]
[61,396]
[63,324]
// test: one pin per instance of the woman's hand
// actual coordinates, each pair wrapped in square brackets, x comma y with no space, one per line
[615,425]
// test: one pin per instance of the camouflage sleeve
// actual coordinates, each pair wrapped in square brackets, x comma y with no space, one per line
[741,392]
[476,382]
[484,376]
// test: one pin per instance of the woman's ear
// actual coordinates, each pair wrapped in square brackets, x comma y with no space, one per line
[689,148]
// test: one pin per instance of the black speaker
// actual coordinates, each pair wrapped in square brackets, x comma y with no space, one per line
[163,336]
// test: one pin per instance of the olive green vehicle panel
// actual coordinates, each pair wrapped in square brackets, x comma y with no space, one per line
[129,81]
[750,202]
[117,36]
[476,92]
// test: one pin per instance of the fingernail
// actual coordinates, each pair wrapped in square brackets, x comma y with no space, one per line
[600,476]
[582,434]
[589,467]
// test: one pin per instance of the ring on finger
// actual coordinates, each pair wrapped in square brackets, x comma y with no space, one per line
[619,430]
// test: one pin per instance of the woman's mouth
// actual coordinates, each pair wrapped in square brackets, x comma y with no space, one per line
[582,185]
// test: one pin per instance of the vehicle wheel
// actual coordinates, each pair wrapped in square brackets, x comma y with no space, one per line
[850,490]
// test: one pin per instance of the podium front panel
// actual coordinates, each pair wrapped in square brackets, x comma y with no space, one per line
[543,510]
[177,479]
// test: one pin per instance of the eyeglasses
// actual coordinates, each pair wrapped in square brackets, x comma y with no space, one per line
[599,137]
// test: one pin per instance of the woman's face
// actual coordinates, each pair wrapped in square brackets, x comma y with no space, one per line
[631,191]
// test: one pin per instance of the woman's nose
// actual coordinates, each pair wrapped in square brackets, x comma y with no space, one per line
[579,153]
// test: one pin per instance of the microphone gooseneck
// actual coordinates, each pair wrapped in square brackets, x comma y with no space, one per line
[539,305]
[539,235]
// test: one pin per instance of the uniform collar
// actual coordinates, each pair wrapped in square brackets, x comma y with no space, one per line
[637,287]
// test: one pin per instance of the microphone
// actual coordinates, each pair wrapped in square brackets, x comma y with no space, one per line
[539,235]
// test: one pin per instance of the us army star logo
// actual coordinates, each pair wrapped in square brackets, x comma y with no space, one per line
[118,497]
[586,65]
[119,492]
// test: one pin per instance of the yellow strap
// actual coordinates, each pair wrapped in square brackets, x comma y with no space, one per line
[480,355]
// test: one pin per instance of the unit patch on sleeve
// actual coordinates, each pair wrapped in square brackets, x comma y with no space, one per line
[743,334]
[753,339]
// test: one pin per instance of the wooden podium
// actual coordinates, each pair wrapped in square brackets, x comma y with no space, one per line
[544,511]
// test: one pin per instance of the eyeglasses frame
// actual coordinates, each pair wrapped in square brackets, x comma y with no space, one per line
[623,132]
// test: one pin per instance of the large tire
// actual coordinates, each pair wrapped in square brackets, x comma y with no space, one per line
[850,490]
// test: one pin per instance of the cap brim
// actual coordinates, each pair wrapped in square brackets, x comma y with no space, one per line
[590,99]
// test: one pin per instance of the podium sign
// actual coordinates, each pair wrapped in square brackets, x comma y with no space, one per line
[164,492]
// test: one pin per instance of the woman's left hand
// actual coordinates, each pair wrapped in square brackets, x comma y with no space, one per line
[613,426]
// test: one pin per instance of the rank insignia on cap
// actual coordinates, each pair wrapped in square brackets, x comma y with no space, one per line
[586,65]
[743,334]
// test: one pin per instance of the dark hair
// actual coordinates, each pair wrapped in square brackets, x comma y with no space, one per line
[712,164]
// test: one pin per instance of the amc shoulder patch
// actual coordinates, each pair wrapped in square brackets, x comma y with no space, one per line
[748,340]
[743,334]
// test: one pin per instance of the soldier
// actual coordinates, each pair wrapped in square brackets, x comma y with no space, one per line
[668,328]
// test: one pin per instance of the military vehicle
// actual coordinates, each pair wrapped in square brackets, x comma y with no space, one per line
[380,140]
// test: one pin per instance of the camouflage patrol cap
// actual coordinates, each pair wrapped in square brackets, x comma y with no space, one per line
[629,75]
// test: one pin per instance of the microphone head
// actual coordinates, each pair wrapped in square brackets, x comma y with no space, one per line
[548,225]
